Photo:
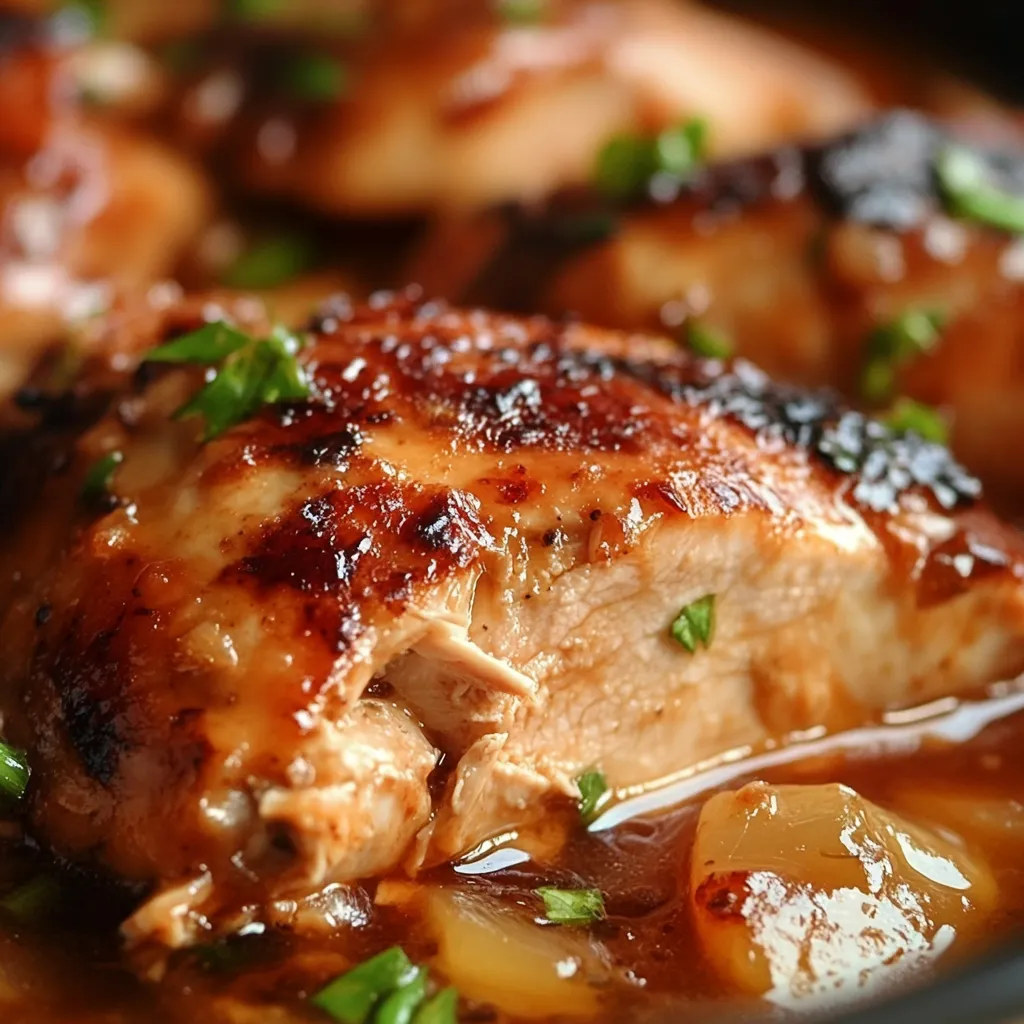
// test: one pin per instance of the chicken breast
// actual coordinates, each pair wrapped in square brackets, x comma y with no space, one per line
[798,258]
[383,624]
[470,108]
[86,208]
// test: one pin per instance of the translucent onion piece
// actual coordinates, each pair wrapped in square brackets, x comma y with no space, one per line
[496,955]
[802,891]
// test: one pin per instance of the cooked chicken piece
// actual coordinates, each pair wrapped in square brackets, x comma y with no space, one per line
[472,540]
[470,109]
[797,258]
[87,208]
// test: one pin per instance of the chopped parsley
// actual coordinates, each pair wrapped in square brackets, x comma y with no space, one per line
[33,900]
[522,12]
[255,8]
[101,473]
[270,263]
[894,344]
[386,989]
[14,772]
[402,1004]
[695,623]
[908,416]
[252,372]
[440,1009]
[968,193]
[572,906]
[594,794]
[707,342]
[314,77]
[627,163]
[93,14]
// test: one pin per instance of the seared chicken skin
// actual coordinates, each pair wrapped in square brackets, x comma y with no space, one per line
[462,106]
[87,207]
[797,258]
[237,679]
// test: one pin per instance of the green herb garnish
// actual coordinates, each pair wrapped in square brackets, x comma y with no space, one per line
[522,12]
[440,1009]
[270,263]
[968,192]
[93,13]
[694,624]
[254,8]
[594,794]
[707,342]
[14,772]
[353,997]
[894,344]
[627,163]
[33,900]
[98,479]
[401,1005]
[572,906]
[314,77]
[908,416]
[253,372]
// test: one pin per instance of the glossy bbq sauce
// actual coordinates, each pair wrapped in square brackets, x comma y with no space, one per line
[480,924]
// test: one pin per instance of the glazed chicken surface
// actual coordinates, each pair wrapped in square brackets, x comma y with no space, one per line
[370,629]
[468,107]
[801,260]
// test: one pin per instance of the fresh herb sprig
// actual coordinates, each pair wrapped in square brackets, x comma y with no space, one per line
[245,373]
[708,342]
[14,772]
[96,488]
[694,625]
[386,989]
[969,193]
[628,163]
[32,901]
[271,262]
[894,344]
[910,417]
[522,12]
[577,907]
[594,794]
[314,77]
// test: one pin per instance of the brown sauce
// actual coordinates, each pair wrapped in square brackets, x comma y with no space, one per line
[67,964]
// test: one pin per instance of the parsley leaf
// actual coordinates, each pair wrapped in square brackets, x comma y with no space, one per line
[99,477]
[572,906]
[908,416]
[14,772]
[707,342]
[352,997]
[270,263]
[92,13]
[894,344]
[209,344]
[254,8]
[594,794]
[522,12]
[694,624]
[254,372]
[33,900]
[967,192]
[314,77]
[627,163]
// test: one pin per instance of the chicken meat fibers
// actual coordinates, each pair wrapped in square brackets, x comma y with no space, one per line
[279,611]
